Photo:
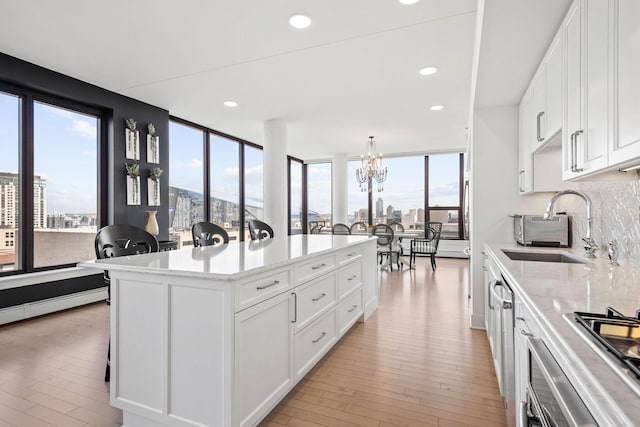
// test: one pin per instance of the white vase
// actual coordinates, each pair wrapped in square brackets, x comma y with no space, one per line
[152,223]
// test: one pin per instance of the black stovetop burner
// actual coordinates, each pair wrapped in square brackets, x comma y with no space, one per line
[619,334]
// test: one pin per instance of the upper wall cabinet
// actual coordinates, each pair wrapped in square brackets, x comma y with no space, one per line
[525,167]
[586,130]
[626,76]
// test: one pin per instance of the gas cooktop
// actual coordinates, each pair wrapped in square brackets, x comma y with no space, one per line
[616,338]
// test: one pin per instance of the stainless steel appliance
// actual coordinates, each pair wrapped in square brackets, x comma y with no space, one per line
[551,399]
[616,338]
[534,230]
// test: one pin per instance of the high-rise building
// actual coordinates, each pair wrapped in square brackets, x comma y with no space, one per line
[379,208]
[9,200]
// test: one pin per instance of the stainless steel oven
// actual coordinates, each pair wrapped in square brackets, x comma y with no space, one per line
[551,399]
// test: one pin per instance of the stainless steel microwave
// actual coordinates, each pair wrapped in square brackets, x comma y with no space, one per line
[534,230]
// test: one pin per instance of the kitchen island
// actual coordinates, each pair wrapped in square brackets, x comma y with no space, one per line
[547,292]
[218,335]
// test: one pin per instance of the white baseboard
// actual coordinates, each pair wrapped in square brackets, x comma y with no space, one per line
[476,321]
[38,308]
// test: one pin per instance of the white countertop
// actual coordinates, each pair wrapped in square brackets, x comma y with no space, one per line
[550,290]
[231,261]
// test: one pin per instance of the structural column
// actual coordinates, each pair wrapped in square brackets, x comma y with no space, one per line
[340,176]
[275,176]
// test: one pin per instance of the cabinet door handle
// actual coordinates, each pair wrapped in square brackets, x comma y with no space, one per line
[315,267]
[295,307]
[521,176]
[575,142]
[319,338]
[275,282]
[352,277]
[352,309]
[526,334]
[538,117]
[572,146]
[319,298]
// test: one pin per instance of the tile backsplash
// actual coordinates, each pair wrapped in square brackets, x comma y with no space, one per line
[616,216]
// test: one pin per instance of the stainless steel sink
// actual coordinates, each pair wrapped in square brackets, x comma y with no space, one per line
[543,257]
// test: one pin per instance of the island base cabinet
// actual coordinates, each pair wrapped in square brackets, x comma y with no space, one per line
[313,342]
[263,358]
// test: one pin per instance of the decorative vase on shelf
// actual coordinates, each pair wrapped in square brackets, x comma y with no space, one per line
[152,223]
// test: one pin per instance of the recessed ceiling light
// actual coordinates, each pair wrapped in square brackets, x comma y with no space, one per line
[408,1]
[437,107]
[230,104]
[427,71]
[300,21]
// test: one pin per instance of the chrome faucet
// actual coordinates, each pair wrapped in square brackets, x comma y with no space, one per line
[589,244]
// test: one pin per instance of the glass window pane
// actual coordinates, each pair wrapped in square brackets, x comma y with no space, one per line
[295,179]
[449,220]
[253,186]
[9,184]
[319,194]
[186,181]
[403,197]
[65,196]
[225,184]
[358,203]
[444,180]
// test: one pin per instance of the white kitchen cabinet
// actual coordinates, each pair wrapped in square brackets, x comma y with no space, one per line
[538,108]
[264,369]
[525,327]
[586,130]
[553,114]
[525,166]
[626,59]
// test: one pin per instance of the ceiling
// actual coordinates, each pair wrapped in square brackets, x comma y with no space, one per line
[352,74]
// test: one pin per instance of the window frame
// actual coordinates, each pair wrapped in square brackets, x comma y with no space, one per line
[26,150]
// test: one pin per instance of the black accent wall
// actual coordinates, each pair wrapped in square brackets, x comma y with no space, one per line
[112,205]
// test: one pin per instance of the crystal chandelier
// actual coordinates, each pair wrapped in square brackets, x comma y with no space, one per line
[371,168]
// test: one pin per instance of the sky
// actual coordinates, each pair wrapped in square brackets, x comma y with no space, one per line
[65,153]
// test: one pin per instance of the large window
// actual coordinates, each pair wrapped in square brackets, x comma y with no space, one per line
[253,185]
[403,197]
[295,196]
[186,184]
[65,194]
[444,190]
[319,194]
[49,176]
[224,159]
[358,203]
[9,183]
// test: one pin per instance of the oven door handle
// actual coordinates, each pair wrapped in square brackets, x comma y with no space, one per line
[563,392]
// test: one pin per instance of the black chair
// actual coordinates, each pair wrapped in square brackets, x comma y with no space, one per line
[121,240]
[341,229]
[316,230]
[386,244]
[259,230]
[427,246]
[208,234]
[359,228]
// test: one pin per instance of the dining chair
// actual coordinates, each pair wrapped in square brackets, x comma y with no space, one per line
[427,245]
[398,228]
[386,244]
[340,229]
[207,234]
[359,228]
[316,229]
[259,230]
[121,240]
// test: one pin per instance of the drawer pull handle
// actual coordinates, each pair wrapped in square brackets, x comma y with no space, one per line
[352,254]
[520,318]
[275,282]
[319,298]
[319,338]
[352,309]
[352,277]
[526,334]
[315,267]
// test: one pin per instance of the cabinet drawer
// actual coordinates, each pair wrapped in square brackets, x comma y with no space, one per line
[267,286]
[349,311]
[348,278]
[348,255]
[314,298]
[312,269]
[312,343]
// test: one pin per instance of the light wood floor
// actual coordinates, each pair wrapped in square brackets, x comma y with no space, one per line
[415,362]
